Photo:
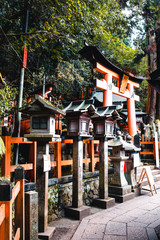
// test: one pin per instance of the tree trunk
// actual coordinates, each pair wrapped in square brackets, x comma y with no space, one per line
[152,66]
[158,65]
[158,106]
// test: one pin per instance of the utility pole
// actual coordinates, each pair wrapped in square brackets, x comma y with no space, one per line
[44,83]
[21,84]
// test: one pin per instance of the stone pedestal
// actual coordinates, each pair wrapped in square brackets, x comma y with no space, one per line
[121,194]
[77,211]
[104,201]
[119,188]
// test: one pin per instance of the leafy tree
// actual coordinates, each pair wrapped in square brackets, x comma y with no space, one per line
[57,31]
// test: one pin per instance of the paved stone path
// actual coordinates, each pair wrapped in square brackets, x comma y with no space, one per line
[132,220]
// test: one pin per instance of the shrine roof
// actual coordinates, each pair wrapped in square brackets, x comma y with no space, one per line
[107,112]
[93,54]
[138,112]
[155,80]
[80,106]
[38,105]
[125,145]
[117,100]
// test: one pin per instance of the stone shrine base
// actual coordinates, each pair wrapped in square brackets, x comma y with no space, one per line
[47,235]
[121,194]
[77,213]
[104,203]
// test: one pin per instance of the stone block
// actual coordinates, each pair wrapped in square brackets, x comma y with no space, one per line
[77,213]
[104,203]
[113,189]
[122,198]
[48,234]
[31,215]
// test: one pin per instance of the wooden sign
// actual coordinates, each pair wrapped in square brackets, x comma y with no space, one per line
[146,171]
[156,150]
[46,163]
[136,160]
[124,83]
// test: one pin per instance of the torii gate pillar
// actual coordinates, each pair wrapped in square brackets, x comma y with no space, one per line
[126,90]
[107,94]
[131,112]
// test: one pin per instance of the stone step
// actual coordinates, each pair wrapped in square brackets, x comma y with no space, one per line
[154,172]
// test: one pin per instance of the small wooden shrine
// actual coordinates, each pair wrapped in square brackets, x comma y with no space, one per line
[42,118]
[103,121]
[42,129]
[78,117]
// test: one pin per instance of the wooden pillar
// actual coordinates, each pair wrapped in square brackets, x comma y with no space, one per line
[57,155]
[103,169]
[42,187]
[33,156]
[131,111]
[6,208]
[103,201]
[6,159]
[91,152]
[19,202]
[77,200]
[107,94]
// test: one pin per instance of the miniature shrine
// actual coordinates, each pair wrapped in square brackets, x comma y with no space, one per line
[119,188]
[78,118]
[103,129]
[42,129]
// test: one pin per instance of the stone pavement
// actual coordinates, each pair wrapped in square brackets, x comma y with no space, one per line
[135,219]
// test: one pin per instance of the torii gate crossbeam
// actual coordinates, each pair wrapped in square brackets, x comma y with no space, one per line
[108,88]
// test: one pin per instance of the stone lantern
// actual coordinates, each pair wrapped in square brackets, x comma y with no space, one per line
[132,163]
[119,187]
[78,118]
[42,129]
[103,122]
[42,119]
[103,128]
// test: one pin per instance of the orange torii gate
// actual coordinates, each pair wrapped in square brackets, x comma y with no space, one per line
[125,83]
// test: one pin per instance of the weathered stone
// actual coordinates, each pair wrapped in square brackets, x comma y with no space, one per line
[31,215]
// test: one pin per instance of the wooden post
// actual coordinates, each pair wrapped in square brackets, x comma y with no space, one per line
[6,200]
[19,203]
[103,201]
[131,111]
[33,156]
[103,169]
[77,200]
[91,165]
[58,159]
[6,159]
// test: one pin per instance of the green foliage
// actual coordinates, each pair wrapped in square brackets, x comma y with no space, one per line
[7,96]
[2,147]
[56,32]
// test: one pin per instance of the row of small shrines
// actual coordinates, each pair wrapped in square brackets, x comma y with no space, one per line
[78,117]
